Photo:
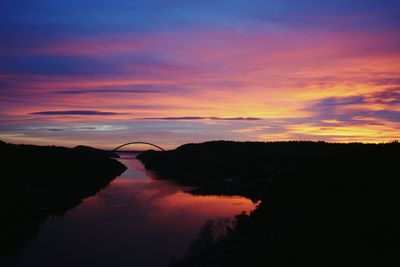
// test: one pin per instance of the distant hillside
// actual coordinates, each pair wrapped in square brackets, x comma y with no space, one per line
[243,163]
[322,204]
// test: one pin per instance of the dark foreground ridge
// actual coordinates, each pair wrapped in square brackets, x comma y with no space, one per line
[321,204]
[37,182]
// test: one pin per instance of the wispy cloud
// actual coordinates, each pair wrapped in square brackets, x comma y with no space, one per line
[248,70]
[75,112]
[100,91]
[389,96]
[360,109]
[206,118]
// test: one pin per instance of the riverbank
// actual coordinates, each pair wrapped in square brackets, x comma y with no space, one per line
[37,182]
[322,204]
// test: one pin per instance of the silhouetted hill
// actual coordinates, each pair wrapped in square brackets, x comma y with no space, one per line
[89,149]
[322,204]
[39,181]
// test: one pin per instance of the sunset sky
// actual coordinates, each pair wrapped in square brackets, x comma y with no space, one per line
[102,73]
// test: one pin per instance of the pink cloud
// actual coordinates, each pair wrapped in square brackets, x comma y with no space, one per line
[226,74]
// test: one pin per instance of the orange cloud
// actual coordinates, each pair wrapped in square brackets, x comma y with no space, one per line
[278,77]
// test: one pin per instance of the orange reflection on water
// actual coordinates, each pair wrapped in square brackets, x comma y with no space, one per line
[221,206]
[136,221]
[162,203]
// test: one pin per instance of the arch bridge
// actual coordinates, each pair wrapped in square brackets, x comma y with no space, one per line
[141,143]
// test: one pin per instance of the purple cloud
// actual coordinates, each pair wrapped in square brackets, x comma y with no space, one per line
[342,108]
[206,118]
[389,96]
[74,112]
[95,91]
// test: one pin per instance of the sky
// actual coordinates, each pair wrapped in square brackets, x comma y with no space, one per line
[103,73]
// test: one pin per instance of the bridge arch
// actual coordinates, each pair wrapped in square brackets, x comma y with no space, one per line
[142,143]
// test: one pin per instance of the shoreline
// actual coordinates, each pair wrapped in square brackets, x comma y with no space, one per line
[42,181]
[321,203]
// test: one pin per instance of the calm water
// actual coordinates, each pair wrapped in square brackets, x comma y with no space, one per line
[136,221]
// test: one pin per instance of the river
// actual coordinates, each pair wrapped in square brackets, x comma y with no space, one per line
[136,220]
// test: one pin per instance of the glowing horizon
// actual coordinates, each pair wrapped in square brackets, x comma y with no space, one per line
[172,72]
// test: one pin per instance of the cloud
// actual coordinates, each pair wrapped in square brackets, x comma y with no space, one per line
[387,115]
[332,102]
[206,118]
[75,112]
[357,109]
[389,96]
[55,65]
[387,81]
[96,91]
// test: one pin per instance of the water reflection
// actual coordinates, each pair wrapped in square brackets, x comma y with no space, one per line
[135,221]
